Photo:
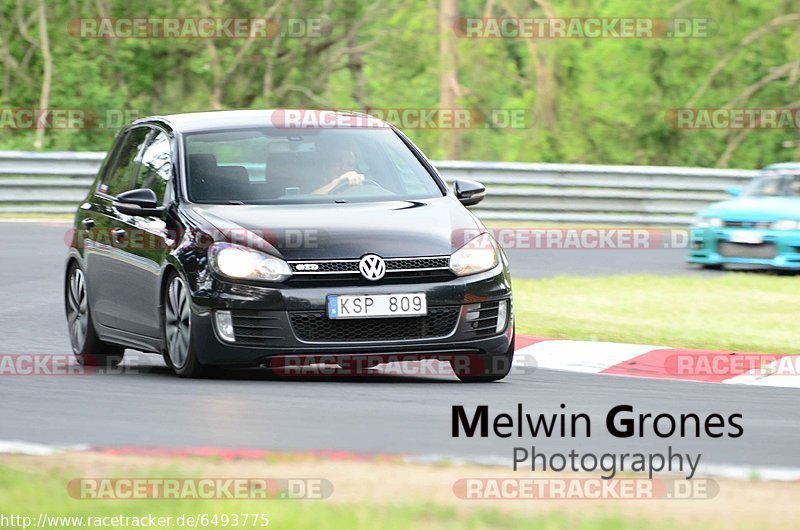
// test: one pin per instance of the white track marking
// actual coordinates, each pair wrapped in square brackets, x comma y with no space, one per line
[583,356]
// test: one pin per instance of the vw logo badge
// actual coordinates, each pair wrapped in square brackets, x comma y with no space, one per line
[372,267]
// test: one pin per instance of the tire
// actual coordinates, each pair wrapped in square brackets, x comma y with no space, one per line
[491,368]
[89,350]
[179,351]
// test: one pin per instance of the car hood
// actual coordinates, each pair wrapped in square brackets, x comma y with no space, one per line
[755,209]
[430,227]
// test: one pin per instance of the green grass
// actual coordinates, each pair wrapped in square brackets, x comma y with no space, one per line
[44,491]
[736,311]
[37,216]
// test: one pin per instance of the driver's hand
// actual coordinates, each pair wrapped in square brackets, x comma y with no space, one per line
[351,178]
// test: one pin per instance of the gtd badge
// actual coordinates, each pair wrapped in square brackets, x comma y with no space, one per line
[372,267]
[307,267]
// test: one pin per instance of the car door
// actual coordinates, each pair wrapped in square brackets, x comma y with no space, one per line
[147,240]
[104,271]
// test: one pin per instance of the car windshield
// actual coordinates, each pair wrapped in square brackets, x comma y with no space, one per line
[284,166]
[774,185]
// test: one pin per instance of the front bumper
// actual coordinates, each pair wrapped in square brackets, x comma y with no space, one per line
[779,249]
[277,309]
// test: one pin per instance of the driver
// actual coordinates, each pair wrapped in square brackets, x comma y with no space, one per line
[339,169]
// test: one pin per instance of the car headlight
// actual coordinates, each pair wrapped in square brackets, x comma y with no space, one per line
[707,222]
[479,255]
[243,263]
[785,224]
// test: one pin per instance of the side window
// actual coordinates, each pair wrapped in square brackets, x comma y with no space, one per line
[121,177]
[156,167]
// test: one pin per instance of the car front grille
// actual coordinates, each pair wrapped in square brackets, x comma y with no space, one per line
[257,328]
[744,250]
[345,272]
[315,326]
[747,224]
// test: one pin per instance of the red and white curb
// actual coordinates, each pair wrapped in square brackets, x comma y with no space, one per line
[738,472]
[660,362]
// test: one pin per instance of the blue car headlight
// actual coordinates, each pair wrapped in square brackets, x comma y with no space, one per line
[785,224]
[707,222]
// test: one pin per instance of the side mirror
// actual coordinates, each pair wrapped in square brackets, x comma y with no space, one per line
[733,191]
[469,192]
[142,202]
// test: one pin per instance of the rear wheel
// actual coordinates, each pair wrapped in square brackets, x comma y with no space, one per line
[484,369]
[89,350]
[179,351]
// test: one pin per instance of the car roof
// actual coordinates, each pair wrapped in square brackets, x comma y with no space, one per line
[273,118]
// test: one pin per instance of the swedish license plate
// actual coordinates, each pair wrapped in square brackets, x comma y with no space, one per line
[377,305]
[747,237]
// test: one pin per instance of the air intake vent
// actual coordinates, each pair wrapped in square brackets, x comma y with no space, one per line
[481,319]
[744,250]
[256,328]
[317,327]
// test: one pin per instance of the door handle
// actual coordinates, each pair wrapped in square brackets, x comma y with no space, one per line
[88,223]
[119,235]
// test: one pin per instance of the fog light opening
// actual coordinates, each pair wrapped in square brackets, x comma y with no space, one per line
[224,323]
[473,312]
[502,315]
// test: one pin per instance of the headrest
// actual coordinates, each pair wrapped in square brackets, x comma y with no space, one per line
[202,162]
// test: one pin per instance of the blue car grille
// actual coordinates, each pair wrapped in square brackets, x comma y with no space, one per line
[743,250]
[747,224]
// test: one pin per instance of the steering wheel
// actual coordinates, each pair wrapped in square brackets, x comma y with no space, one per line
[343,185]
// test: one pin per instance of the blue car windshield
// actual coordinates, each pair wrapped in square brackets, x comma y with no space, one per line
[774,185]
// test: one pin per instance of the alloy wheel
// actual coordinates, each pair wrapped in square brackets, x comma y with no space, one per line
[77,309]
[177,323]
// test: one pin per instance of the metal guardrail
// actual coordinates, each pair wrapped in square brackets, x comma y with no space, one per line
[641,195]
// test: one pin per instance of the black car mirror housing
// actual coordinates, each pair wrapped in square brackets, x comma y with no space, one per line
[469,192]
[140,202]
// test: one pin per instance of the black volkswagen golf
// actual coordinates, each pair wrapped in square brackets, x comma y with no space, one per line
[246,238]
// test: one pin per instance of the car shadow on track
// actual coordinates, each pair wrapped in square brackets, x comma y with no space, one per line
[428,373]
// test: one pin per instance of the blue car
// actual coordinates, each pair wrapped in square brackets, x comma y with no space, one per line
[759,227]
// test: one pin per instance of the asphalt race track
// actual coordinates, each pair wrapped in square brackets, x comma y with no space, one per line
[404,414]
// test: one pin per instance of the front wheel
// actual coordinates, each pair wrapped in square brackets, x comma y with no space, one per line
[179,351]
[484,369]
[89,350]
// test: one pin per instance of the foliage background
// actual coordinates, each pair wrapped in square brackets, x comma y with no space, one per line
[588,100]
